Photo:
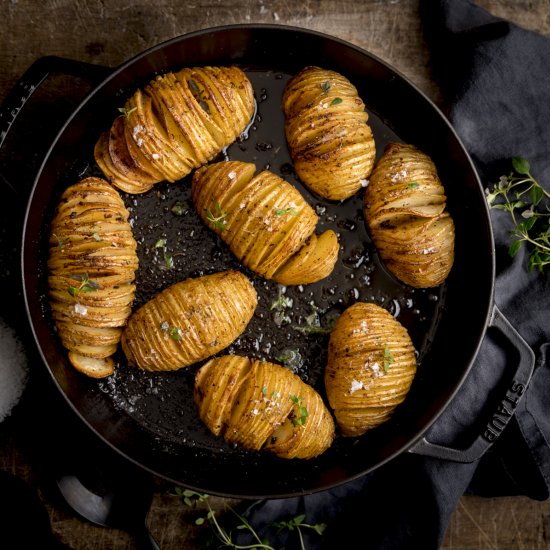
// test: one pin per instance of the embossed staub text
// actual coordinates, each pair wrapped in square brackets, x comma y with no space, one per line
[504,411]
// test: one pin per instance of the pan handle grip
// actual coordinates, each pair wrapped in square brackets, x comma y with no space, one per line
[33,78]
[505,408]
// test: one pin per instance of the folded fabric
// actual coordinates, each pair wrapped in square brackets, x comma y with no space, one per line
[495,78]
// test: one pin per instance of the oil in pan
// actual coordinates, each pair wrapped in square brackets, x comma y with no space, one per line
[291,324]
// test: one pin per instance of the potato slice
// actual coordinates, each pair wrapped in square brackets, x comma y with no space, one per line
[189,321]
[313,262]
[91,268]
[178,122]
[92,366]
[327,131]
[370,367]
[262,406]
[264,220]
[216,389]
[113,157]
[405,210]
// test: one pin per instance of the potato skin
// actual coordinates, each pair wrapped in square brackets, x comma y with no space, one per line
[262,406]
[91,269]
[176,123]
[189,321]
[264,220]
[405,210]
[370,368]
[327,131]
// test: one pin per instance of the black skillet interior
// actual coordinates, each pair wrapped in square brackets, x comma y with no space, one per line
[150,418]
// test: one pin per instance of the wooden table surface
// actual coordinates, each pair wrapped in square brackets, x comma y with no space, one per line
[109,32]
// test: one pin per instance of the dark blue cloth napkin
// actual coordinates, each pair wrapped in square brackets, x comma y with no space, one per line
[495,79]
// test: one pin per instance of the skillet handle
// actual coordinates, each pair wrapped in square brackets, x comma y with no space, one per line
[505,408]
[33,78]
[21,168]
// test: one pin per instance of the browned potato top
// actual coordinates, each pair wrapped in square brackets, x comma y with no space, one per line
[189,321]
[405,209]
[265,221]
[327,131]
[176,123]
[370,368]
[262,406]
[92,264]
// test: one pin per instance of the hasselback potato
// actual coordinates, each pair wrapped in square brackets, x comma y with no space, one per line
[265,221]
[405,210]
[189,321]
[178,122]
[260,405]
[370,367]
[92,264]
[327,131]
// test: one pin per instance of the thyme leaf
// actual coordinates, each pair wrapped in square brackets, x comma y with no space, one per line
[175,333]
[279,307]
[388,359]
[168,259]
[325,86]
[283,211]
[179,208]
[290,358]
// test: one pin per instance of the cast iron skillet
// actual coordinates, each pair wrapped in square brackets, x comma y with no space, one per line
[150,418]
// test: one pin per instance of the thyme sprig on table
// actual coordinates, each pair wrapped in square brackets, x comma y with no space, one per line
[528,204]
[193,498]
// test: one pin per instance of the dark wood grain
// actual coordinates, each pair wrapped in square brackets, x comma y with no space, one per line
[108,32]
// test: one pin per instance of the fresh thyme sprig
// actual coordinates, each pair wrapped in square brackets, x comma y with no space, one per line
[192,498]
[279,305]
[126,112]
[86,285]
[388,358]
[217,219]
[301,418]
[168,259]
[298,523]
[528,204]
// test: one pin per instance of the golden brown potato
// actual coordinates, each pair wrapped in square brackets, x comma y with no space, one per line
[405,212]
[370,368]
[92,264]
[265,221]
[176,123]
[262,406]
[327,131]
[189,321]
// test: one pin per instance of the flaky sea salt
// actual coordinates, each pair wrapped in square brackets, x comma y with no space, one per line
[13,370]
[80,309]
